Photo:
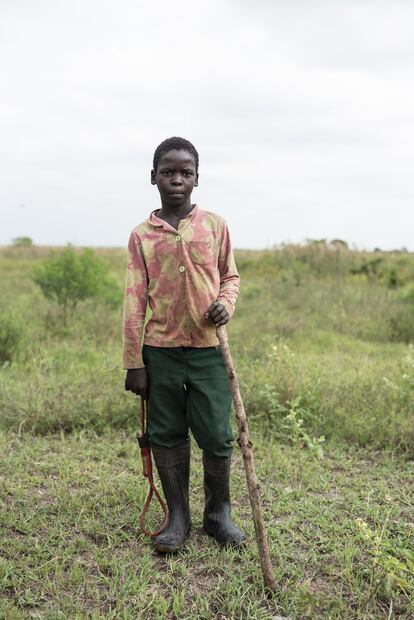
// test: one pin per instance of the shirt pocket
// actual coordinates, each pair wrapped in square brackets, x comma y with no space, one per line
[201,252]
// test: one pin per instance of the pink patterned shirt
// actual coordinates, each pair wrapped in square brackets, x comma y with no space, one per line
[178,274]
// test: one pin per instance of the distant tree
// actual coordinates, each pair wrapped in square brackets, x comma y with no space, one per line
[316,242]
[339,243]
[22,242]
[70,278]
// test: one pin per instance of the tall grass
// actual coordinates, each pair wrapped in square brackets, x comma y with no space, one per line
[317,325]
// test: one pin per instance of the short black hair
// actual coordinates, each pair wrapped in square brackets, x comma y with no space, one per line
[174,143]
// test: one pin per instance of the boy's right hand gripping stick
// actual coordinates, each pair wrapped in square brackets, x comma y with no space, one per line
[247,452]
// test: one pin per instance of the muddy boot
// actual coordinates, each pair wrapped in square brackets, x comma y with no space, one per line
[173,466]
[217,518]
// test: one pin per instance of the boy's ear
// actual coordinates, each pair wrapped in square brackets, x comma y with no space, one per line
[153,180]
[196,180]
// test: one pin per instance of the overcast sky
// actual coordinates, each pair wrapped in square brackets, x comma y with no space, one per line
[302,113]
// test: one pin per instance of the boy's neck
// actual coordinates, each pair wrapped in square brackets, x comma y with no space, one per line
[174,213]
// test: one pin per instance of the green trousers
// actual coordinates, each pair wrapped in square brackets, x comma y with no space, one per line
[188,389]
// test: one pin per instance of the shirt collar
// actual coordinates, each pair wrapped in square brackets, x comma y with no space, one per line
[156,221]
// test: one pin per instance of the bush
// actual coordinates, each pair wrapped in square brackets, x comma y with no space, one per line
[70,278]
[401,321]
[401,325]
[22,242]
[10,334]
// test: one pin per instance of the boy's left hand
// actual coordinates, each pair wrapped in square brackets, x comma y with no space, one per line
[217,314]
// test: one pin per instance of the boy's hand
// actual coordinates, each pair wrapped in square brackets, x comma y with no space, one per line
[217,314]
[136,381]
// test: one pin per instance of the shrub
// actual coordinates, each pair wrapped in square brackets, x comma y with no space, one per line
[10,334]
[401,325]
[401,321]
[70,278]
[407,294]
[22,242]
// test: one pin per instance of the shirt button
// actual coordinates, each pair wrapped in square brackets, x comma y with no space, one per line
[182,268]
[178,238]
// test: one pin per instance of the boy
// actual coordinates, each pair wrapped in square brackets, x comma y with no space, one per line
[180,262]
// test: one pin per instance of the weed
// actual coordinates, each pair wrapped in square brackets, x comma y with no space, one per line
[295,431]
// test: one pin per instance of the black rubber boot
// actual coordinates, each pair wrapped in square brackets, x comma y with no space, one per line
[173,466]
[217,513]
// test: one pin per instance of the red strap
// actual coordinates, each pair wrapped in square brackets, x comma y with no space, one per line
[147,471]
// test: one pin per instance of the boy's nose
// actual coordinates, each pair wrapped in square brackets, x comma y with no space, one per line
[176,180]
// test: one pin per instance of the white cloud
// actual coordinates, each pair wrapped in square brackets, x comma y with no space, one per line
[301,112]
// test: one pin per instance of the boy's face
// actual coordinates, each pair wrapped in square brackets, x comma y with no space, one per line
[175,177]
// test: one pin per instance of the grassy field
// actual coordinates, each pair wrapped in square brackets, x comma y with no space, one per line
[321,341]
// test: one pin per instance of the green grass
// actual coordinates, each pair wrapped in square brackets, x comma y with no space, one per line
[321,342]
[306,326]
[340,531]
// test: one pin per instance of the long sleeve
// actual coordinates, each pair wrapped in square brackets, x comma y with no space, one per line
[136,292]
[229,276]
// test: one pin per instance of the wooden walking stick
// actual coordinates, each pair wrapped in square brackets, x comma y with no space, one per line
[247,452]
